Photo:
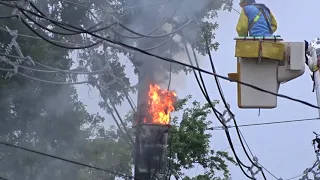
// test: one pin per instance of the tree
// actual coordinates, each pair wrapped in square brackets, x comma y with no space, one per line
[38,115]
[50,117]
[189,143]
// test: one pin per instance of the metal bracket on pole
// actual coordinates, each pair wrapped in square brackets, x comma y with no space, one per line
[225,120]
[251,169]
[14,44]
[314,170]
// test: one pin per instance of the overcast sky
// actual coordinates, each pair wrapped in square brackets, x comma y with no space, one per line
[284,149]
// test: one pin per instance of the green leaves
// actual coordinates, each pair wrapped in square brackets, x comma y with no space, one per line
[189,142]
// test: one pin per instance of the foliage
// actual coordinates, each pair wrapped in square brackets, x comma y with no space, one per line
[189,142]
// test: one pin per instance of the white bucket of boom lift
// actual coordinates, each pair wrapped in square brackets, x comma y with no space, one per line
[265,63]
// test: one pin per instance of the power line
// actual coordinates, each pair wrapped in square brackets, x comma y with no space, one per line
[232,116]
[53,70]
[124,9]
[53,82]
[43,80]
[245,141]
[2,178]
[167,59]
[64,159]
[229,111]
[267,123]
[140,35]
[38,38]
[216,112]
[158,56]
[295,177]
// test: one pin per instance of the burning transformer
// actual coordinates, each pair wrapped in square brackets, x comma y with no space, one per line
[152,122]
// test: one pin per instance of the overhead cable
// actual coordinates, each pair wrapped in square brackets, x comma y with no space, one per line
[217,113]
[230,113]
[149,34]
[2,178]
[295,177]
[38,38]
[140,35]
[59,25]
[47,39]
[153,30]
[177,62]
[123,132]
[124,9]
[267,123]
[64,159]
[104,92]
[42,80]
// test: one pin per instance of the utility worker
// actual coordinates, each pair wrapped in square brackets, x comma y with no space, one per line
[256,19]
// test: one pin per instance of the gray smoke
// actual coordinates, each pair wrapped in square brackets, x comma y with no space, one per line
[179,11]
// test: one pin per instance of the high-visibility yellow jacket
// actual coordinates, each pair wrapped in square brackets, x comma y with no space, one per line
[260,27]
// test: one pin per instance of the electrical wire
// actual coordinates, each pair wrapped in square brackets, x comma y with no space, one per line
[245,141]
[216,112]
[219,87]
[91,29]
[177,62]
[124,9]
[148,35]
[53,70]
[59,25]
[2,178]
[77,32]
[225,103]
[8,17]
[38,38]
[53,82]
[38,34]
[105,96]
[229,111]
[106,27]
[157,36]
[140,35]
[114,118]
[64,159]
[83,46]
[295,177]
[267,123]
[280,96]
[45,81]
[56,44]
[153,30]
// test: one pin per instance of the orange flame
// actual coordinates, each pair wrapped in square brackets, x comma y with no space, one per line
[160,104]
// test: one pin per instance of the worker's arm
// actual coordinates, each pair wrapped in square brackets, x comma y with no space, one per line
[242,26]
[274,24]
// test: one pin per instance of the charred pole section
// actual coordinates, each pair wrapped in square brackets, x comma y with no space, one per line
[151,138]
